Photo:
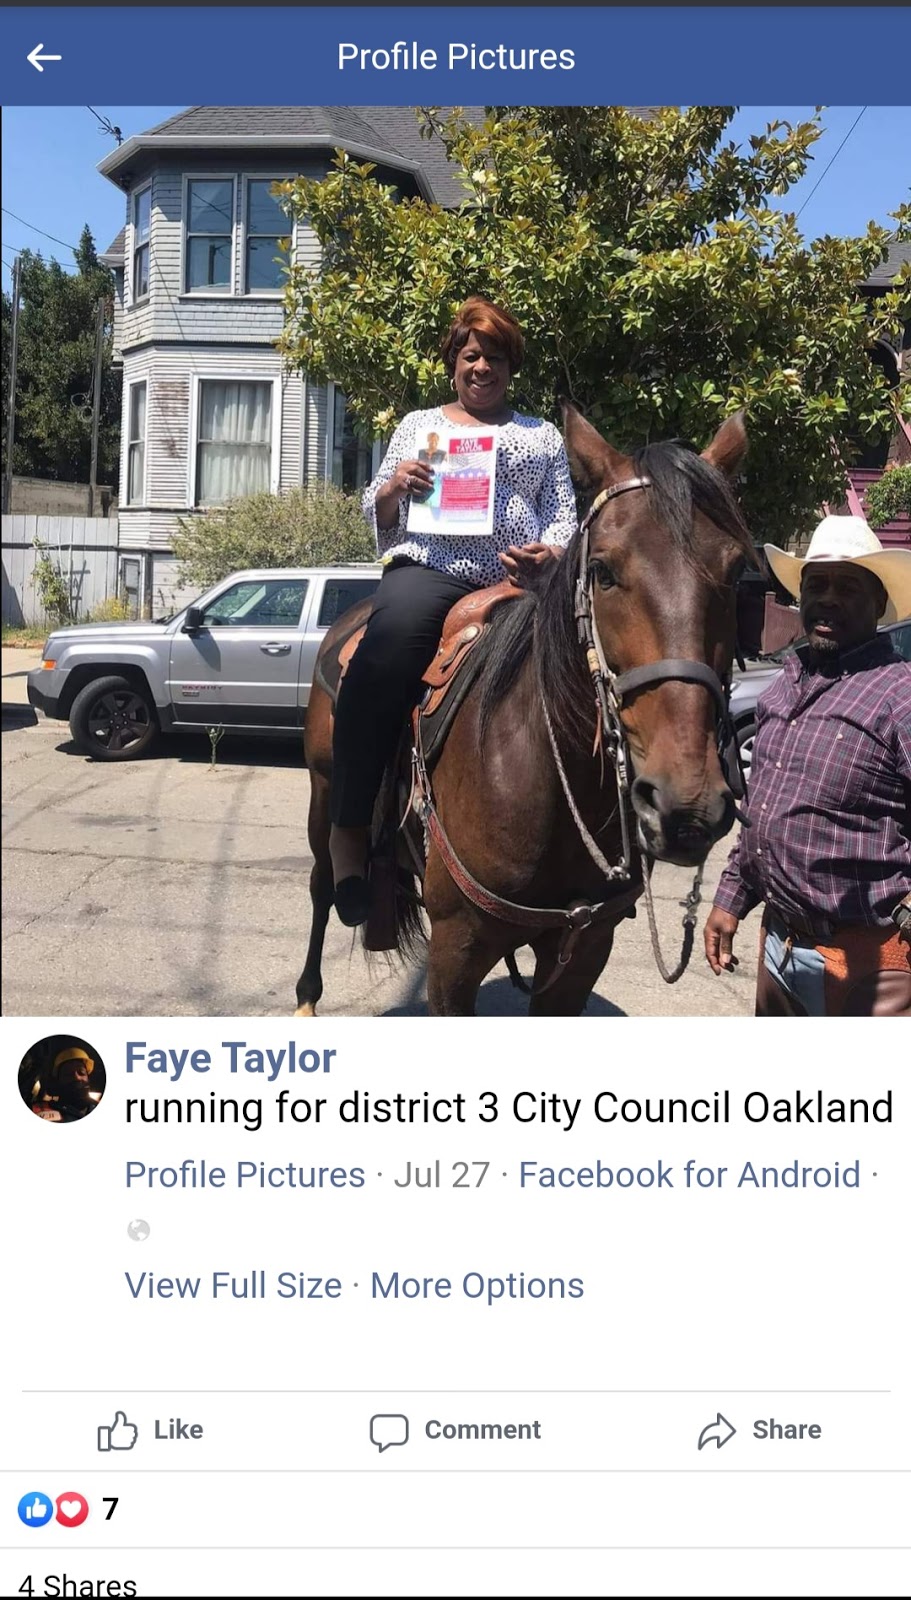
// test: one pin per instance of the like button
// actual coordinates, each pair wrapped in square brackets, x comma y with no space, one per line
[121,1435]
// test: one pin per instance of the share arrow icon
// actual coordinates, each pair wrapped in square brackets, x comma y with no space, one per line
[720,1430]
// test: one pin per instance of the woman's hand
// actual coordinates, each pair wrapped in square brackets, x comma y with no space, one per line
[410,477]
[526,563]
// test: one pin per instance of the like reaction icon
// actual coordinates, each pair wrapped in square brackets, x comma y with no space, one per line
[35,1509]
[72,1509]
[121,1435]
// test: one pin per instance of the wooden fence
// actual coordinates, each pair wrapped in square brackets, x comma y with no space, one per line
[84,549]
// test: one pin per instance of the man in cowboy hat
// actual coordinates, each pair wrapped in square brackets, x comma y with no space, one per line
[827,847]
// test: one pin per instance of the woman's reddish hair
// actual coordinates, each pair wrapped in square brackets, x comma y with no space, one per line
[495,323]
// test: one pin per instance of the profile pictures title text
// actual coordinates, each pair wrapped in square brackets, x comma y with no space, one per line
[408,55]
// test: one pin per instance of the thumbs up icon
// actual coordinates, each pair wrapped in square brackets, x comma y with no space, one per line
[121,1435]
[35,1510]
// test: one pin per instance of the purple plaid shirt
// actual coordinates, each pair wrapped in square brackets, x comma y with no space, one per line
[830,796]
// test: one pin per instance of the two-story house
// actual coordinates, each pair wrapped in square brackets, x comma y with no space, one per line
[210,410]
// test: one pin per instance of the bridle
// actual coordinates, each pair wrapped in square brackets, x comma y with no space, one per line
[611,689]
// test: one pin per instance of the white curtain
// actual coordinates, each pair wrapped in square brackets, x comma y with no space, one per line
[136,442]
[235,440]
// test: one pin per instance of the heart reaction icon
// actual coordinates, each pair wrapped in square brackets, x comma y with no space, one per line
[72,1509]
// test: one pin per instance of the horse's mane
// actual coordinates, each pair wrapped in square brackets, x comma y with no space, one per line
[682,482]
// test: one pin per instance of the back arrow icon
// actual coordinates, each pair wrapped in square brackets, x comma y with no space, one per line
[720,1430]
[36,58]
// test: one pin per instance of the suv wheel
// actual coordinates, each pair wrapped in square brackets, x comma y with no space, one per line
[112,720]
[746,734]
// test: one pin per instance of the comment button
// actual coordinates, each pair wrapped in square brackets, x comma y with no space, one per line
[388,1428]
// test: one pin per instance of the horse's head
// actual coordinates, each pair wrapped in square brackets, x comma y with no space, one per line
[662,564]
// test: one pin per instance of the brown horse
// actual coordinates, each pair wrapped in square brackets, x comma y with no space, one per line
[654,564]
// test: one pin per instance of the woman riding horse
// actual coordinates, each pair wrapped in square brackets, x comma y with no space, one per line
[534,518]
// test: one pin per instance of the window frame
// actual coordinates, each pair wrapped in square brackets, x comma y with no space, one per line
[246,179]
[243,622]
[135,248]
[215,291]
[136,383]
[231,376]
[354,578]
[373,446]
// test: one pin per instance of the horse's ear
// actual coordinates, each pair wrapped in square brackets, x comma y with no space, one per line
[729,446]
[593,461]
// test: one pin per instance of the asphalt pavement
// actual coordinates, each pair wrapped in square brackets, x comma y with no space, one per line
[174,887]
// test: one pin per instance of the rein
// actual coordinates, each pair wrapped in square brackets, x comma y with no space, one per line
[610,689]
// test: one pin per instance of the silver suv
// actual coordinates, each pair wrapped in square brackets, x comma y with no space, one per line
[241,657]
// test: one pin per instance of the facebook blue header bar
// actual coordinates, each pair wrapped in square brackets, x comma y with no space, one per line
[452,55]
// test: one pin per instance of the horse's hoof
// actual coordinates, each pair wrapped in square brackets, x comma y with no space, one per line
[352,901]
[306,1010]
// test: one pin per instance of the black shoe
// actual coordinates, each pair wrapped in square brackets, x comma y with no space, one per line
[352,901]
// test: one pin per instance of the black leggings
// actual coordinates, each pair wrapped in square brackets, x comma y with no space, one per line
[383,682]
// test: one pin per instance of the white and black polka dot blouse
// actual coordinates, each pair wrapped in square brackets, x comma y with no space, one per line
[534,499]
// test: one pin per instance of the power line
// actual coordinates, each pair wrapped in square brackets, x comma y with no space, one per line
[31,225]
[107,126]
[834,158]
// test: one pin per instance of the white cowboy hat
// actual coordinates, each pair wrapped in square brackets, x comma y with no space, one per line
[850,539]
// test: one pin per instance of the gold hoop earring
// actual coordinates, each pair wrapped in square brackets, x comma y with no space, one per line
[452,385]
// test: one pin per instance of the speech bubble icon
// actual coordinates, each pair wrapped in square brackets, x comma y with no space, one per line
[388,1428]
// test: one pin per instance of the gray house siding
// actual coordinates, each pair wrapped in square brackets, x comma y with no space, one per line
[168,311]
[173,373]
[172,339]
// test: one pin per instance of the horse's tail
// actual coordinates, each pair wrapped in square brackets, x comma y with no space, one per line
[410,927]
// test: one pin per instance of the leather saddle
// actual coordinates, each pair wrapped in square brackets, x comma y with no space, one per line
[448,679]
[447,683]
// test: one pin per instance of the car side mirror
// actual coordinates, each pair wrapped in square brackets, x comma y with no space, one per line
[192,622]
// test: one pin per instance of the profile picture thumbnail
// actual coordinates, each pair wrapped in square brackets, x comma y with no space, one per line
[62,1078]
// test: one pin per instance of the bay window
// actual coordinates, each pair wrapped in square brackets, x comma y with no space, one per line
[233,440]
[136,444]
[142,241]
[266,226]
[210,234]
[351,454]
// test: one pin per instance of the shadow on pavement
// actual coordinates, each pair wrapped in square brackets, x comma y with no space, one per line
[190,750]
[499,998]
[234,750]
[17,717]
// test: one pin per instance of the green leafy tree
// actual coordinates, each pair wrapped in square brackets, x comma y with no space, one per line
[304,528]
[889,497]
[656,286]
[55,369]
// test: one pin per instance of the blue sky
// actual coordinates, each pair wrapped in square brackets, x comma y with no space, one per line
[50,155]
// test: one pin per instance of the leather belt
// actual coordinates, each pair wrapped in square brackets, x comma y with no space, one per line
[816,928]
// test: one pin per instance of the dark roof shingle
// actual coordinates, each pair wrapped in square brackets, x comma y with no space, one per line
[116,247]
[391,129]
[886,272]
